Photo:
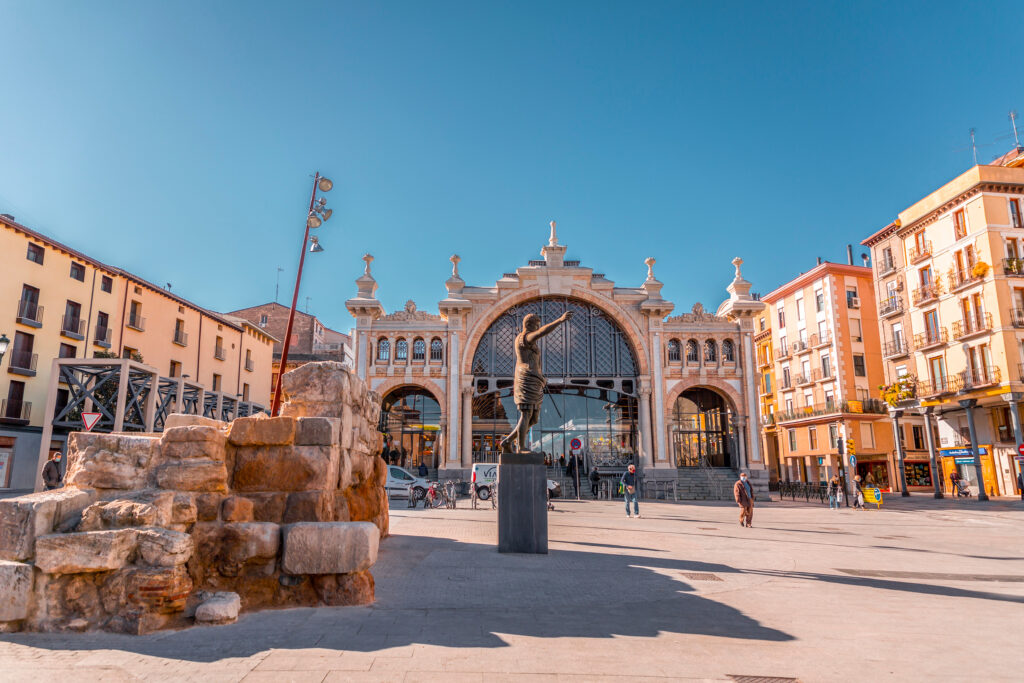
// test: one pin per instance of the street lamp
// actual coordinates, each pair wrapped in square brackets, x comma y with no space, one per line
[317,214]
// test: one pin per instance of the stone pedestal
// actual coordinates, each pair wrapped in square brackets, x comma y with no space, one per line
[522,503]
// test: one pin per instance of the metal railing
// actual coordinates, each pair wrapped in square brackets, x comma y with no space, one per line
[799,489]
[810,378]
[782,353]
[927,292]
[15,409]
[961,278]
[886,266]
[821,339]
[1017,317]
[1013,266]
[919,253]
[30,313]
[137,322]
[872,406]
[975,324]
[974,378]
[895,348]
[181,338]
[930,338]
[890,306]
[826,373]
[102,337]
[249,364]
[72,326]
[934,387]
[800,346]
[23,361]
[218,353]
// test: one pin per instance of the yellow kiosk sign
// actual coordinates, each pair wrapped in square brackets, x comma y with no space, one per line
[873,495]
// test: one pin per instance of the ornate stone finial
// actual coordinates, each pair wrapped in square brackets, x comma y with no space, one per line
[410,306]
[369,259]
[455,264]
[738,262]
[553,241]
[650,261]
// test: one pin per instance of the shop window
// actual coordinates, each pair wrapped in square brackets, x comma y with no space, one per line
[35,253]
[383,350]
[401,351]
[419,349]
[674,352]
[691,351]
[917,473]
[728,351]
[436,350]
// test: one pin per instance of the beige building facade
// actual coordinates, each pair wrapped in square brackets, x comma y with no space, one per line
[64,305]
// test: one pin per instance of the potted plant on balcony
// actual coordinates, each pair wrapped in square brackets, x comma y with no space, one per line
[979,270]
[901,392]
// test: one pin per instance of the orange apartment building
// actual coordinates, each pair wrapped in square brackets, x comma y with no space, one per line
[766,396]
[826,363]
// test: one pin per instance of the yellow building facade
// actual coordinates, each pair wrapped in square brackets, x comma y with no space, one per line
[766,396]
[63,304]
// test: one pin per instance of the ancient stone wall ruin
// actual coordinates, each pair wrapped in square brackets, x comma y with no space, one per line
[164,530]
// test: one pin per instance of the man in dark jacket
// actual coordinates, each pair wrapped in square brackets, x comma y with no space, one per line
[571,469]
[743,492]
[595,481]
[51,472]
[630,490]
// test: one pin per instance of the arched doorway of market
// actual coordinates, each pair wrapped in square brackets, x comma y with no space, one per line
[410,419]
[703,429]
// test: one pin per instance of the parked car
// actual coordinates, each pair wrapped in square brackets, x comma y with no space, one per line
[485,473]
[399,481]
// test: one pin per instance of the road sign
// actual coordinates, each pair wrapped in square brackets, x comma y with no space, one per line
[90,420]
[1020,449]
[873,495]
[576,444]
[853,461]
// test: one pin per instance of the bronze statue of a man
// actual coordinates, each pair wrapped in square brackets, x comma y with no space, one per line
[528,388]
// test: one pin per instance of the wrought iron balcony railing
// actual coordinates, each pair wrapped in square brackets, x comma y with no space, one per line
[962,278]
[821,339]
[218,353]
[934,387]
[886,266]
[137,323]
[1017,317]
[73,327]
[825,374]
[180,338]
[102,337]
[872,406]
[782,353]
[976,378]
[919,253]
[800,346]
[890,306]
[970,326]
[30,313]
[895,348]
[16,409]
[1014,267]
[23,363]
[930,339]
[928,291]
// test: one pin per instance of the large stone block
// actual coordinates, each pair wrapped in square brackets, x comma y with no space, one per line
[111,461]
[182,420]
[85,551]
[183,509]
[309,506]
[320,382]
[227,548]
[262,431]
[24,518]
[163,547]
[140,508]
[317,431]
[193,475]
[344,590]
[329,547]
[15,590]
[196,442]
[285,468]
[220,608]
[236,509]
[268,507]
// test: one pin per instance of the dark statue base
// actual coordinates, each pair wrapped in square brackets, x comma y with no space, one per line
[522,503]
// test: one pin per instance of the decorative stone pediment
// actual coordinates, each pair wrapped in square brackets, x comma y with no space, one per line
[697,315]
[410,313]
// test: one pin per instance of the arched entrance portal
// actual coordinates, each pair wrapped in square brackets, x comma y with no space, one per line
[410,419]
[702,429]
[590,405]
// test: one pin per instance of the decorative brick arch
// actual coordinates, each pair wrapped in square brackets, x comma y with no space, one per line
[431,387]
[709,383]
[614,311]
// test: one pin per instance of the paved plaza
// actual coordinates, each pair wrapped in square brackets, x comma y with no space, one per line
[920,590]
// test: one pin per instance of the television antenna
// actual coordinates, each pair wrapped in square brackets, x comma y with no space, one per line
[1013,122]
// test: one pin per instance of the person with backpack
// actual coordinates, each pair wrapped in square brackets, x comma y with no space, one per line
[629,485]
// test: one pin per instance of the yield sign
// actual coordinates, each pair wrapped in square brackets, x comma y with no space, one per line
[90,420]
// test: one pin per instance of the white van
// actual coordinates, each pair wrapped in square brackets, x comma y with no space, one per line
[399,481]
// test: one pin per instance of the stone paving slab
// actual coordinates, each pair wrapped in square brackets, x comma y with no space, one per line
[921,589]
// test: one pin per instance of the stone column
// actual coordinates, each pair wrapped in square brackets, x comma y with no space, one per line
[968,406]
[896,414]
[753,410]
[1013,399]
[645,426]
[467,426]
[453,397]
[929,439]
[661,455]
[363,357]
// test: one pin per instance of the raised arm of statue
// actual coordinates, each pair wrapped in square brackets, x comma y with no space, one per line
[547,329]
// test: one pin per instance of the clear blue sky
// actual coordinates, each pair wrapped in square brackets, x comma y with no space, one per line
[177,139]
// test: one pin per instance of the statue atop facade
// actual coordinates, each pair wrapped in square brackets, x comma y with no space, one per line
[529,382]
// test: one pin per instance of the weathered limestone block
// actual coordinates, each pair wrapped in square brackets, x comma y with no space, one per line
[85,551]
[341,513]
[314,383]
[262,431]
[368,503]
[24,518]
[317,431]
[158,590]
[193,475]
[345,477]
[208,506]
[140,508]
[183,509]
[268,507]
[344,589]
[195,442]
[329,547]
[182,420]
[309,506]
[285,468]
[163,547]
[220,608]
[236,509]
[227,548]
[110,461]
[15,590]
[361,465]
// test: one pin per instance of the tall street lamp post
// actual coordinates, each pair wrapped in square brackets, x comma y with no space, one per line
[318,213]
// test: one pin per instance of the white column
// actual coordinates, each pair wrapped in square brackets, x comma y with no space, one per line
[754,421]
[467,427]
[453,398]
[363,359]
[645,426]
[661,454]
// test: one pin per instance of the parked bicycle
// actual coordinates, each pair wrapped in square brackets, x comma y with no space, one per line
[484,493]
[450,495]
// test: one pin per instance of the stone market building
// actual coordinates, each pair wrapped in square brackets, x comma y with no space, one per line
[626,382]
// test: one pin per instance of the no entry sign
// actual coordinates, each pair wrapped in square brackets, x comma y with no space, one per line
[1020,449]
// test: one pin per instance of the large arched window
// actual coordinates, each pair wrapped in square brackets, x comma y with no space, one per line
[674,353]
[419,349]
[728,352]
[702,429]
[401,351]
[410,418]
[691,352]
[436,350]
[710,351]
[383,350]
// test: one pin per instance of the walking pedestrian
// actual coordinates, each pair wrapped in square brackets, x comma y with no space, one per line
[743,492]
[834,486]
[954,477]
[629,491]
[857,493]
[571,468]
[51,472]
[595,481]
[423,468]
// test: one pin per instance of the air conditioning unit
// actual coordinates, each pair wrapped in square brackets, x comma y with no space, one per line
[854,302]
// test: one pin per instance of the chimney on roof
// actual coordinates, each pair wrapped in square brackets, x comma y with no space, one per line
[819,260]
[864,258]
[849,254]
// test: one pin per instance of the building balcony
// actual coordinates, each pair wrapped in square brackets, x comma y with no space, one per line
[1017,317]
[783,353]
[927,292]
[785,384]
[72,327]
[801,347]
[972,326]
[977,378]
[871,406]
[886,266]
[219,354]
[890,307]
[137,323]
[934,388]
[825,375]
[249,364]
[1020,371]
[23,363]
[102,337]
[180,338]
[960,279]
[15,410]
[931,339]
[897,348]
[810,378]
[920,253]
[819,340]
[29,313]
[1013,267]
